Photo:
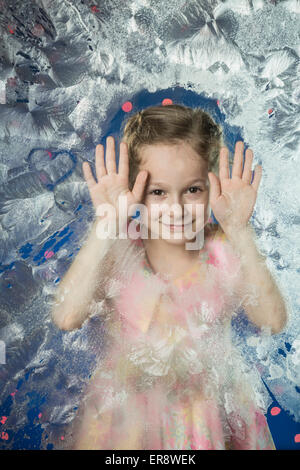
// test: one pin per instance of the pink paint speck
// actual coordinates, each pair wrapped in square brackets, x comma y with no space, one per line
[127,107]
[167,101]
[62,438]
[270,110]
[48,254]
[49,153]
[40,415]
[3,419]
[297,438]
[218,102]
[4,436]
[212,260]
[275,411]
[13,393]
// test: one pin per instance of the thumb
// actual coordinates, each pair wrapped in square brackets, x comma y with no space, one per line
[139,185]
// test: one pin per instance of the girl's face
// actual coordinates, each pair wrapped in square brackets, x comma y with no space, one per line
[176,176]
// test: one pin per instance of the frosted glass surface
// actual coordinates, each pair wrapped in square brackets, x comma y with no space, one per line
[66,69]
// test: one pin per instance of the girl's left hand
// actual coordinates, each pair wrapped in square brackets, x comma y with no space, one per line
[232,199]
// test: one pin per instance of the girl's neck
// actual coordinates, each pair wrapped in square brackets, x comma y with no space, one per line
[171,260]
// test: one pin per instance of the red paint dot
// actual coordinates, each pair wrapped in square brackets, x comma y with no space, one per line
[11,30]
[49,153]
[167,101]
[3,419]
[270,111]
[297,438]
[127,107]
[40,415]
[62,438]
[48,254]
[94,9]
[275,411]
[218,102]
[4,436]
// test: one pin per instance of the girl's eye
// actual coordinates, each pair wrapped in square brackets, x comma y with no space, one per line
[195,187]
[154,192]
[158,192]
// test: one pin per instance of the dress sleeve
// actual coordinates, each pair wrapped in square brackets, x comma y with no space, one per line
[232,276]
[227,267]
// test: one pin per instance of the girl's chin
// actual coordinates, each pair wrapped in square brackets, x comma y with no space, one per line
[174,237]
[178,235]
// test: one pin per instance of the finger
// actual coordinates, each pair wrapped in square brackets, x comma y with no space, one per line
[139,185]
[257,177]
[123,161]
[88,175]
[110,155]
[224,164]
[247,172]
[100,166]
[238,159]
[215,187]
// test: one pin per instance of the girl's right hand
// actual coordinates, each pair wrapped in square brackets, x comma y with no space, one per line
[110,185]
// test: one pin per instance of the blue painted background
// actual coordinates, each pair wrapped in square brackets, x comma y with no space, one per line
[282,426]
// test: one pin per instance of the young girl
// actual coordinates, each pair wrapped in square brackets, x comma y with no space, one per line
[169,376]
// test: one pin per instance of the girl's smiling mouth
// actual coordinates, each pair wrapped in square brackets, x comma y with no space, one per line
[176,227]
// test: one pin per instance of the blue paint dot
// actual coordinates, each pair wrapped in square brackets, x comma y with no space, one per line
[25,250]
[64,232]
[19,384]
[137,214]
[281,351]
[27,375]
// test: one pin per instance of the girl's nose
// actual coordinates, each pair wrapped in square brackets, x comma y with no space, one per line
[175,199]
[175,211]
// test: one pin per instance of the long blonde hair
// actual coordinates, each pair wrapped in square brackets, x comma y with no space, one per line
[172,124]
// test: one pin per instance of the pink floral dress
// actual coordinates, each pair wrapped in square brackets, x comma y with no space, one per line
[171,378]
